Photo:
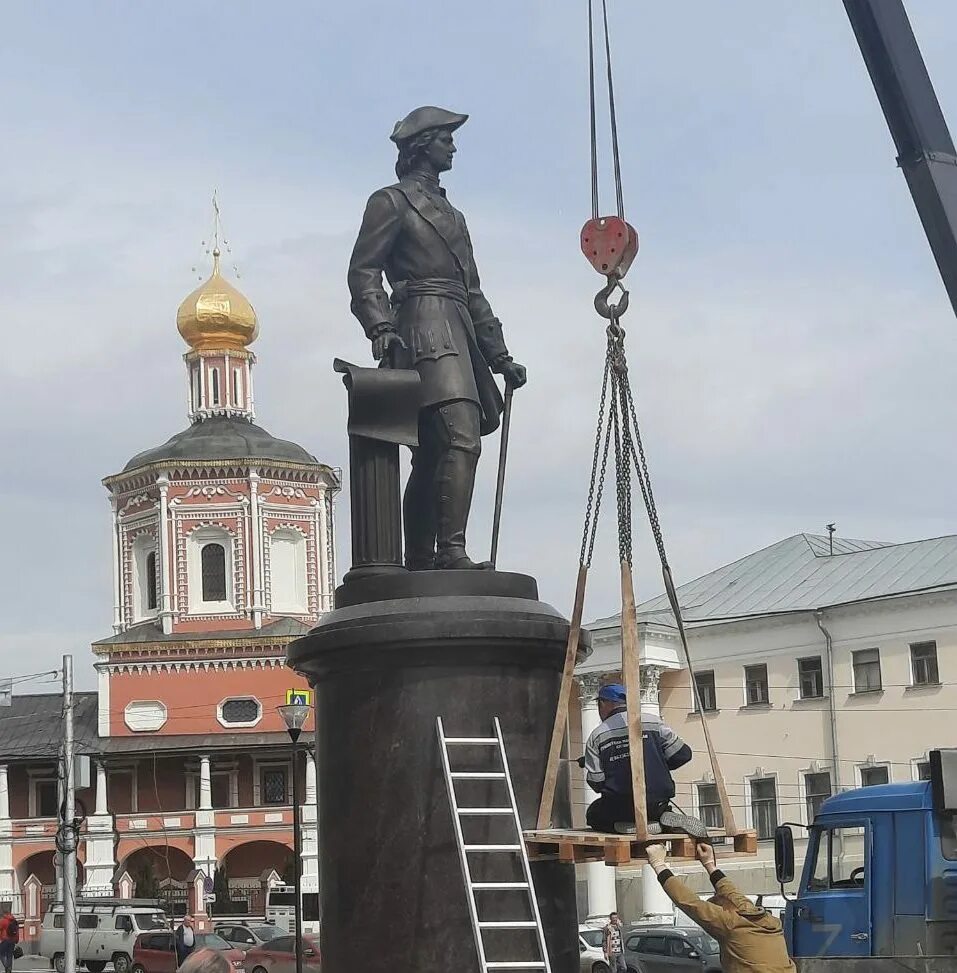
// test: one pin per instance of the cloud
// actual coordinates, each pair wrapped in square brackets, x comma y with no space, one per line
[788,335]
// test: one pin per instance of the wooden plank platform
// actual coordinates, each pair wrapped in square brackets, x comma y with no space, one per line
[567,845]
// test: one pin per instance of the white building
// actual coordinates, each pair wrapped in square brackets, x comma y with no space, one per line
[818,669]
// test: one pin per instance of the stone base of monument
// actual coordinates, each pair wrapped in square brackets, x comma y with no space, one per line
[399,651]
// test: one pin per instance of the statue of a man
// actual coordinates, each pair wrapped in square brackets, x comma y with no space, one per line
[438,322]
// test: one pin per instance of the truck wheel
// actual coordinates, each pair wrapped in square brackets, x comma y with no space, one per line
[138,969]
[121,963]
[599,967]
[59,963]
[95,966]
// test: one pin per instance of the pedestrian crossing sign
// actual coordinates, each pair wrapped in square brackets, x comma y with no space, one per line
[299,697]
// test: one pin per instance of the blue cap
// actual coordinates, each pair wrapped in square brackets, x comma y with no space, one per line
[612,693]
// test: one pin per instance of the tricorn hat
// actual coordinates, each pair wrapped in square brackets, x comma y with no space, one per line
[423,118]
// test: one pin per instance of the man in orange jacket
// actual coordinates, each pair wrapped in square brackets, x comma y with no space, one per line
[751,940]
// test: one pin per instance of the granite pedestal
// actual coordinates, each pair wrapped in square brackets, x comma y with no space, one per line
[398,651]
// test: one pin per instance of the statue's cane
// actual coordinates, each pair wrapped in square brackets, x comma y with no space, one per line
[500,485]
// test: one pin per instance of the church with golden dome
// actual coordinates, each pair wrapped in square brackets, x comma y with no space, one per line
[223,552]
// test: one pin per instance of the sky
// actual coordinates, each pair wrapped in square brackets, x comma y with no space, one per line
[791,344]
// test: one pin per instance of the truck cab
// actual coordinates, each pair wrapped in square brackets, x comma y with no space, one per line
[880,875]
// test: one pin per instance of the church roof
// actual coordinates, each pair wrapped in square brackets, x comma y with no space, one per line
[799,574]
[281,628]
[221,439]
[31,728]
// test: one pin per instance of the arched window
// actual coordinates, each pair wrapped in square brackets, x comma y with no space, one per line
[287,572]
[237,388]
[213,558]
[151,581]
[214,383]
[145,577]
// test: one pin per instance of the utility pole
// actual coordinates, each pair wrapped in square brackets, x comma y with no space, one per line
[67,835]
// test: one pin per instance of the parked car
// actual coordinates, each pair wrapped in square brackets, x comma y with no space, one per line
[107,929]
[155,952]
[279,955]
[246,935]
[671,949]
[592,953]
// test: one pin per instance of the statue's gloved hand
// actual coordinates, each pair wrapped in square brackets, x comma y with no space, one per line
[385,342]
[513,373]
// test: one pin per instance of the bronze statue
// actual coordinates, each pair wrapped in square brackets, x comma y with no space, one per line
[438,322]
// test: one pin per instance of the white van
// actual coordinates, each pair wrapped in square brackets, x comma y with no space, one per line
[106,931]
[281,909]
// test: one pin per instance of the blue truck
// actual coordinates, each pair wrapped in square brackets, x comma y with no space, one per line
[895,896]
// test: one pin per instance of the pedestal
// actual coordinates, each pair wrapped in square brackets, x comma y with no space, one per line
[399,651]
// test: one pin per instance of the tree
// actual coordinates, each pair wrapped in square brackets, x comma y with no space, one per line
[223,902]
[146,882]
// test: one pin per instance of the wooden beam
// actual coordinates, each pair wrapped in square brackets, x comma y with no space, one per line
[553,764]
[631,673]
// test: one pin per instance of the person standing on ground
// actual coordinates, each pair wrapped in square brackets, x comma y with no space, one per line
[9,937]
[185,940]
[612,944]
[751,939]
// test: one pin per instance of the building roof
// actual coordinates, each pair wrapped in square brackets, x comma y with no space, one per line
[223,439]
[32,728]
[799,574]
[149,632]
[32,725]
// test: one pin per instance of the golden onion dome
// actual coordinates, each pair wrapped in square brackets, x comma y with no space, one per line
[216,316]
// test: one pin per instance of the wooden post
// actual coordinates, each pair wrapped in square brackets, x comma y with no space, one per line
[632,676]
[553,764]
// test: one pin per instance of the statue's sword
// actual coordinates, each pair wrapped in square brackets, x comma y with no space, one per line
[500,485]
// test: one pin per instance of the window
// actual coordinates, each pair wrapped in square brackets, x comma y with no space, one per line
[58,921]
[287,572]
[706,691]
[833,870]
[756,685]
[86,920]
[124,923]
[47,798]
[145,576]
[872,776]
[214,385]
[272,789]
[923,769]
[811,677]
[764,806]
[197,396]
[709,806]
[240,711]
[214,572]
[680,948]
[923,663]
[151,581]
[656,945]
[867,670]
[282,944]
[817,789]
[237,388]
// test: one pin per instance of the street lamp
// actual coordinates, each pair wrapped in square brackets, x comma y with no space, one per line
[294,715]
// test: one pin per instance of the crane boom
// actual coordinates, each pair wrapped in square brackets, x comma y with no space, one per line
[925,150]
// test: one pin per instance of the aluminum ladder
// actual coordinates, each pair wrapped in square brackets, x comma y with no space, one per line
[508,850]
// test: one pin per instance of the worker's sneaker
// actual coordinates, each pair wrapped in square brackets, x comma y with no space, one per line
[628,827]
[672,821]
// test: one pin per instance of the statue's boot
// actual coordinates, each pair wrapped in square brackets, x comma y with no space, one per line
[455,481]
[418,514]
